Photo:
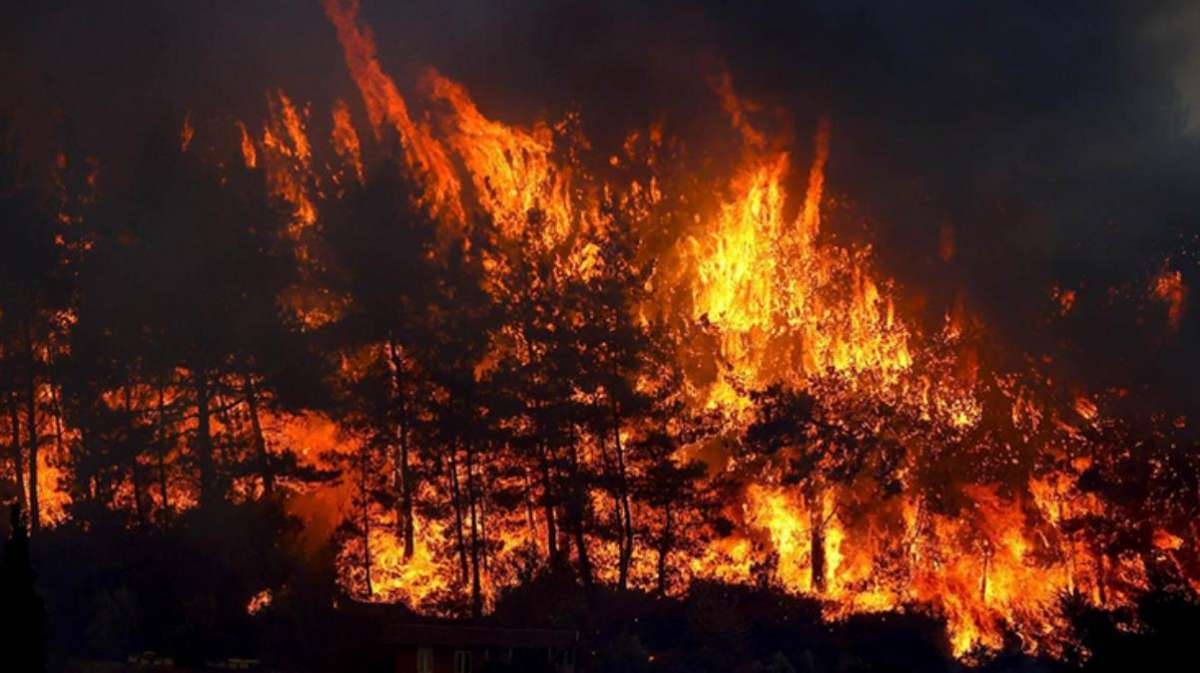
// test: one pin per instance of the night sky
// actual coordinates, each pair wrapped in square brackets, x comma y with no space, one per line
[1057,140]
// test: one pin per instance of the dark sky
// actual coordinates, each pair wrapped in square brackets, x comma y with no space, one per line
[1055,138]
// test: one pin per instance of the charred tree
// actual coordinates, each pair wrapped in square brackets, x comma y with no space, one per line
[404,478]
[262,456]
[202,443]
[31,429]
[15,450]
[22,619]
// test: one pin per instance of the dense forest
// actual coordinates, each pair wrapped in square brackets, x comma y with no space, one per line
[266,392]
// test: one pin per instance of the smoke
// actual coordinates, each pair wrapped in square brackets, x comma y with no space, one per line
[1054,144]
[1176,28]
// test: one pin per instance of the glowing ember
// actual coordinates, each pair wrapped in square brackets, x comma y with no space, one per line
[1168,288]
[259,602]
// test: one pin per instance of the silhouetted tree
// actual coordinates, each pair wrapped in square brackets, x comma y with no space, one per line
[22,639]
[674,489]
[180,320]
[820,443]
[35,286]
[379,248]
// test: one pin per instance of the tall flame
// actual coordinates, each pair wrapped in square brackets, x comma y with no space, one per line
[784,302]
[386,109]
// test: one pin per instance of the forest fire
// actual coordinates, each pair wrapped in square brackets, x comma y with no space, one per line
[464,354]
[785,308]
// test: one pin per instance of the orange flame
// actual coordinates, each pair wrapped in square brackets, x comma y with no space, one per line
[385,106]
[1168,288]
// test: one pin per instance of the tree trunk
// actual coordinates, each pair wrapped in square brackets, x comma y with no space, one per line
[816,542]
[405,514]
[260,441]
[135,468]
[581,549]
[817,547]
[203,445]
[18,455]
[626,546]
[364,497]
[225,445]
[56,402]
[456,494]
[31,431]
[161,441]
[576,506]
[473,502]
[404,509]
[552,550]
[481,497]
[530,518]
[664,548]
[86,485]
[986,552]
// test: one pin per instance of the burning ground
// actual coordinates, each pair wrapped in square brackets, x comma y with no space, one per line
[655,348]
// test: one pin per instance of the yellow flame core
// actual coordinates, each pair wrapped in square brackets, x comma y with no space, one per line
[785,304]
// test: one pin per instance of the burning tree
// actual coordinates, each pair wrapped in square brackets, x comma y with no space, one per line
[35,296]
[181,335]
[816,448]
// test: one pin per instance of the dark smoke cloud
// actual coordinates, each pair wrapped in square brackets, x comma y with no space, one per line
[1054,139]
